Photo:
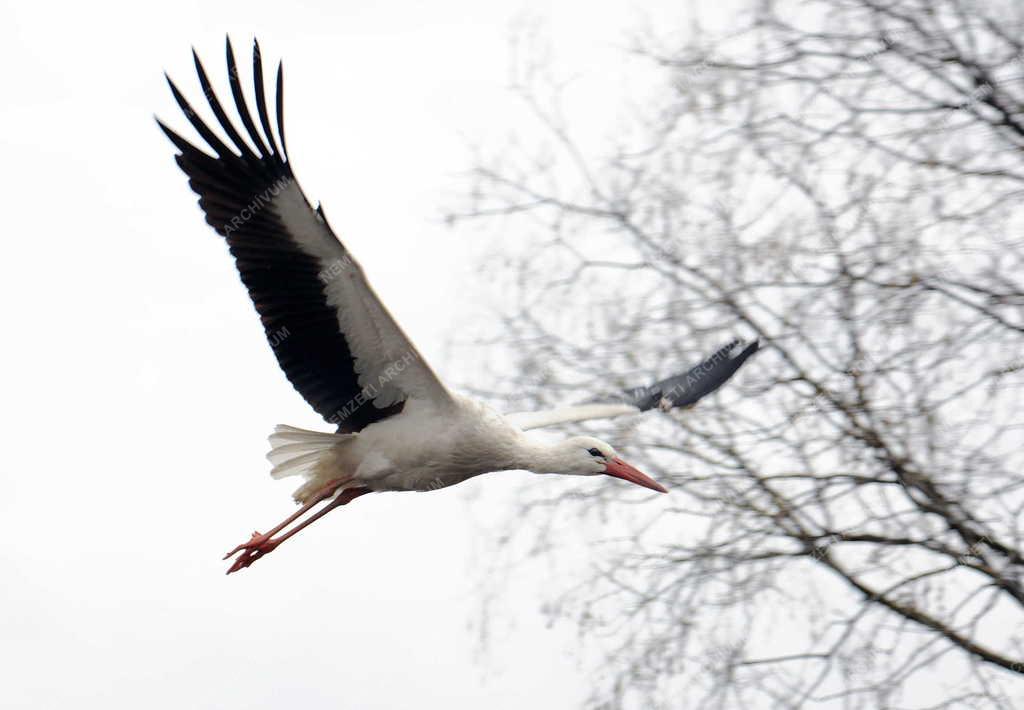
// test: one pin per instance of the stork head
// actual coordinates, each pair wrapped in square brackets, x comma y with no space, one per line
[587,456]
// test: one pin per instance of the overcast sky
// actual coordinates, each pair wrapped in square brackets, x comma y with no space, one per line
[138,389]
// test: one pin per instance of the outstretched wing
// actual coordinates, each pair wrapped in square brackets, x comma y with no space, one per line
[334,339]
[687,389]
[682,390]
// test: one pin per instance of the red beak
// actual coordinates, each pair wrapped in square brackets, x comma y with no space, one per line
[620,469]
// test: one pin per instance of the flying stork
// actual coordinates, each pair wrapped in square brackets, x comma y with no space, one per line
[398,428]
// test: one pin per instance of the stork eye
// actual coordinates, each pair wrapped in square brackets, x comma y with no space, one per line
[595,453]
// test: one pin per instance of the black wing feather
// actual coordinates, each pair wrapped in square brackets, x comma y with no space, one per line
[261,99]
[218,110]
[240,104]
[280,106]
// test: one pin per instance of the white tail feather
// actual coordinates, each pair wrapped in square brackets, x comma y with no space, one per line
[296,452]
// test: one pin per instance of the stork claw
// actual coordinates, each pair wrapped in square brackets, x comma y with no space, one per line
[252,551]
[254,541]
[259,545]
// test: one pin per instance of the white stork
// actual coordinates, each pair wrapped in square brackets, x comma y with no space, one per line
[398,426]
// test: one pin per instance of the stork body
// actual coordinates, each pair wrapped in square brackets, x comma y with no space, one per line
[398,428]
[425,447]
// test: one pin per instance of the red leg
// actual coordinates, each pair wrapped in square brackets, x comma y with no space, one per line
[321,495]
[261,545]
[344,497]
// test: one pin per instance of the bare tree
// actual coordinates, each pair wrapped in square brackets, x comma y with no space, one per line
[842,179]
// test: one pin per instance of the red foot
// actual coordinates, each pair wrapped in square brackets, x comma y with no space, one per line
[260,545]
[254,541]
[257,546]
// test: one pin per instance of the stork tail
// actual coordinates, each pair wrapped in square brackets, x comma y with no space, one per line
[296,452]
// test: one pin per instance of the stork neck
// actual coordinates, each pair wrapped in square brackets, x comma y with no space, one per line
[538,457]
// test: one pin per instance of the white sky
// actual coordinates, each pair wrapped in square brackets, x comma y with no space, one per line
[138,389]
